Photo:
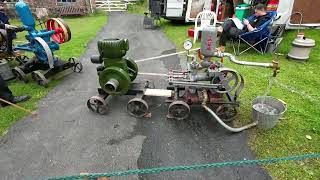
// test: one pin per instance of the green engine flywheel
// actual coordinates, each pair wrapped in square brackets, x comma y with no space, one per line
[115,73]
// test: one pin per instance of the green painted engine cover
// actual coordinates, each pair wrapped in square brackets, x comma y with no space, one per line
[124,71]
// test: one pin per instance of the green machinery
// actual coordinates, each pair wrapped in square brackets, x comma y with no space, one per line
[117,72]
[116,75]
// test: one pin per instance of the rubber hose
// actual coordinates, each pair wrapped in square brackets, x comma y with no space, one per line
[225,125]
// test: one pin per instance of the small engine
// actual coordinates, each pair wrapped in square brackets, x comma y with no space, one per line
[117,72]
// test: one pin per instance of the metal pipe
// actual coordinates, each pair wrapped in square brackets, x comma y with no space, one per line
[246,63]
[225,125]
[112,85]
[204,102]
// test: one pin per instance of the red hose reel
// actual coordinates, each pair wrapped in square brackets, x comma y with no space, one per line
[61,28]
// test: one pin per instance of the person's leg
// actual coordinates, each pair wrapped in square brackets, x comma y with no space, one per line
[225,34]
[235,32]
[228,24]
[5,92]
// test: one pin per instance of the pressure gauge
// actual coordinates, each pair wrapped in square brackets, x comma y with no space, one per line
[187,45]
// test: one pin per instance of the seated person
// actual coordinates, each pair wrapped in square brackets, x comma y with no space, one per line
[232,28]
[6,94]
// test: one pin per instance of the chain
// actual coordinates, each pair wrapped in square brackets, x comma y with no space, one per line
[190,167]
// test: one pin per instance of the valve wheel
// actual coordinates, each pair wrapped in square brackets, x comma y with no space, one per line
[226,112]
[178,110]
[137,107]
[38,77]
[229,80]
[97,104]
[62,31]
[76,65]
[19,74]
[132,69]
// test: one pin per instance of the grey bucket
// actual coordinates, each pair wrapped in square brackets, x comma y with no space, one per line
[268,121]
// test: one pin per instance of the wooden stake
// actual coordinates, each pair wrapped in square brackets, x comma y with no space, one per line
[16,106]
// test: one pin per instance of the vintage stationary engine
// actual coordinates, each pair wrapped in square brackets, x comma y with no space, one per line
[42,44]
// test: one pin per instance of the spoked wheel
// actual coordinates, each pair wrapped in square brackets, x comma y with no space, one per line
[178,110]
[61,29]
[97,104]
[137,107]
[228,79]
[19,74]
[226,112]
[77,66]
[38,77]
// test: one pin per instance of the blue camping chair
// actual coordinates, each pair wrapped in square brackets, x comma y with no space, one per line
[257,39]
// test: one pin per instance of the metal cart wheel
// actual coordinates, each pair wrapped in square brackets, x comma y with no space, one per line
[137,107]
[178,110]
[38,77]
[97,104]
[226,112]
[77,66]
[19,74]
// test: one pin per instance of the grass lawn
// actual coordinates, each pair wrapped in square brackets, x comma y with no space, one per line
[83,30]
[297,84]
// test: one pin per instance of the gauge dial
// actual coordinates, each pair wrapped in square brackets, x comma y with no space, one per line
[187,45]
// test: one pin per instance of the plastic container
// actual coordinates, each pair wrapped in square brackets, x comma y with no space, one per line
[242,11]
[301,48]
[191,33]
[267,120]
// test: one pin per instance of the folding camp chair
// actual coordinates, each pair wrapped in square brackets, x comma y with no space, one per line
[257,39]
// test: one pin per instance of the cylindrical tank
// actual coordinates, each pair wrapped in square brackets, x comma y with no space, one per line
[208,41]
[25,14]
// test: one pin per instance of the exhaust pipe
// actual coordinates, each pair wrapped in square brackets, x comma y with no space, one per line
[112,85]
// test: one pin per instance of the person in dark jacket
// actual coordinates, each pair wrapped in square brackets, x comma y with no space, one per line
[229,28]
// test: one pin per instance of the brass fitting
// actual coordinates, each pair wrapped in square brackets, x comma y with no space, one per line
[205,97]
[276,67]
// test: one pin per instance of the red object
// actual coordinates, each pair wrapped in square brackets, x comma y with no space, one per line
[272,5]
[191,33]
[57,26]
